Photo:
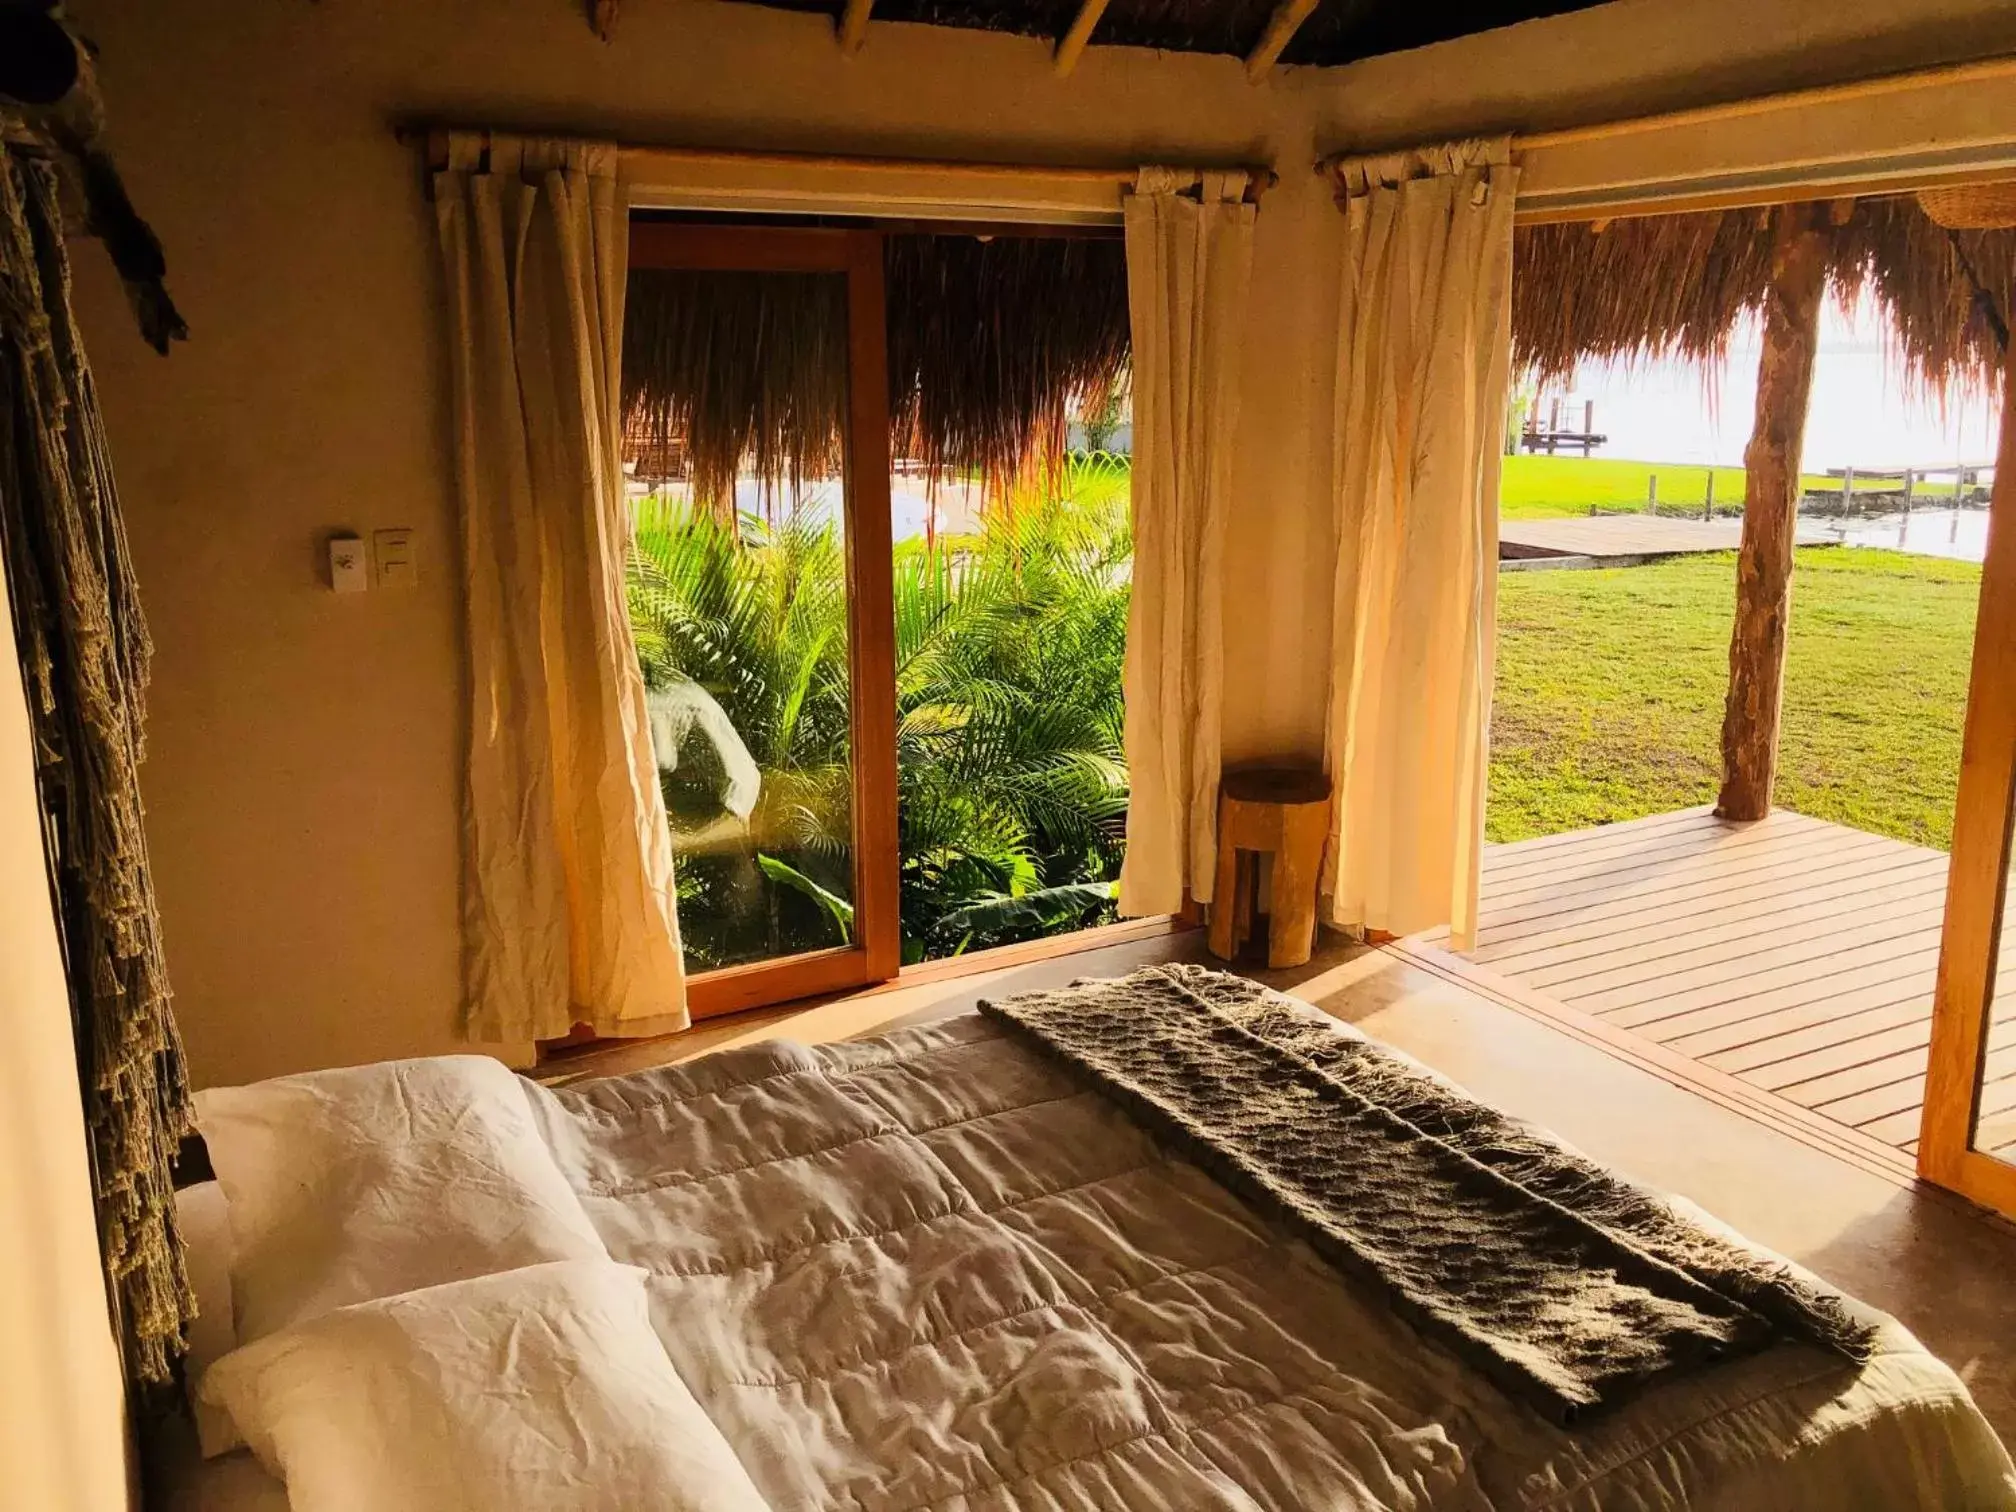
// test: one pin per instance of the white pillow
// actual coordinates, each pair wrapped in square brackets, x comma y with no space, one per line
[359,1183]
[203,1218]
[542,1389]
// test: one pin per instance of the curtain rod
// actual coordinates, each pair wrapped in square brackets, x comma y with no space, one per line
[637,157]
[1984,69]
[1824,94]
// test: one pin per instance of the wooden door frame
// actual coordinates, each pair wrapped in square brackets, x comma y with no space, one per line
[1977,878]
[877,951]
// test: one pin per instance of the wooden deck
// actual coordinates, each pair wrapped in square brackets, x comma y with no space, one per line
[1621,539]
[1794,955]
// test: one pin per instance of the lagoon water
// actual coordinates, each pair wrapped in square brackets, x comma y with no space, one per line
[1961,534]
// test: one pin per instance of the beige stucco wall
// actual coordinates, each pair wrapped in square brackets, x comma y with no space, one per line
[62,1436]
[302,791]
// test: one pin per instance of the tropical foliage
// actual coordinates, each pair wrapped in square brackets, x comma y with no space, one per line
[1012,786]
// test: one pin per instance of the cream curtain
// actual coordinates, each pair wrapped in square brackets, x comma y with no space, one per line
[1189,261]
[568,908]
[1424,346]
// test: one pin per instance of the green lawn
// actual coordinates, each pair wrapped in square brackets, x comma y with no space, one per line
[1610,689]
[1542,487]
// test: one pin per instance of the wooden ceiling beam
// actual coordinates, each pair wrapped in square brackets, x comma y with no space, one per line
[1281,28]
[1071,47]
[854,25]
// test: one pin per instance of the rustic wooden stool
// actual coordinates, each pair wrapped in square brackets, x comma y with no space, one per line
[1285,811]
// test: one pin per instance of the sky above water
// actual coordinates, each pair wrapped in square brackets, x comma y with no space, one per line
[1864,413]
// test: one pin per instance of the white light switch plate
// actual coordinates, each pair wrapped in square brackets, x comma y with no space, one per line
[396,565]
[349,572]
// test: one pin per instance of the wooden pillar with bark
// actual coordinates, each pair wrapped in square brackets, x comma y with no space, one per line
[1770,513]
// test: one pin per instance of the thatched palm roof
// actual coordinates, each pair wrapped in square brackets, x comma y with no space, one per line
[1677,286]
[1337,31]
[990,345]
[726,370]
[992,342]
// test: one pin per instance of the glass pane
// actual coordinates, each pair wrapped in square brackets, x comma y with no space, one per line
[735,391]
[1011,627]
[1995,1109]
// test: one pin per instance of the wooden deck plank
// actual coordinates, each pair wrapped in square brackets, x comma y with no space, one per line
[1795,955]
[1635,536]
[1702,828]
[1851,975]
[1761,971]
[1656,918]
[1552,896]
[1696,906]
[1851,1066]
[1614,912]
[1998,1093]
[1701,835]
[1623,830]
[1663,857]
[1896,1127]
[1910,973]
[1658,876]
[1858,1063]
[1793,926]
[1754,1044]
[1903,1094]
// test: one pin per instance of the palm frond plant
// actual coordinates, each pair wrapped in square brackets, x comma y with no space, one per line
[1009,648]
[759,621]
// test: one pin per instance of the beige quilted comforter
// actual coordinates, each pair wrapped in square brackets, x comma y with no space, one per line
[926,1271]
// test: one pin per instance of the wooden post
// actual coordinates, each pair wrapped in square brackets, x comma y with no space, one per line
[1072,46]
[1847,492]
[1652,493]
[853,27]
[1708,500]
[1770,515]
[1281,28]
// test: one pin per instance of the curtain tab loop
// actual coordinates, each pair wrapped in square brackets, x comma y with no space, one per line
[1359,175]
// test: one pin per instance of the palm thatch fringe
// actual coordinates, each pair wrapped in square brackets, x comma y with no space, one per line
[84,651]
[1924,279]
[729,369]
[991,344]
[1665,286]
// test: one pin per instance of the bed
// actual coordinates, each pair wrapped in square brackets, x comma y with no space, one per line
[932,1270]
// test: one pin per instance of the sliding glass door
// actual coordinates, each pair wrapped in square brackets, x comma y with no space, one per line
[757,452]
[1968,1139]
[883,651]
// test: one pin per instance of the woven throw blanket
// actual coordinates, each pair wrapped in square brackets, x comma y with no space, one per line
[1567,1286]
[84,658]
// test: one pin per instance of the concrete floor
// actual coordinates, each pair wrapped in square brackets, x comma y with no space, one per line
[1947,1270]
